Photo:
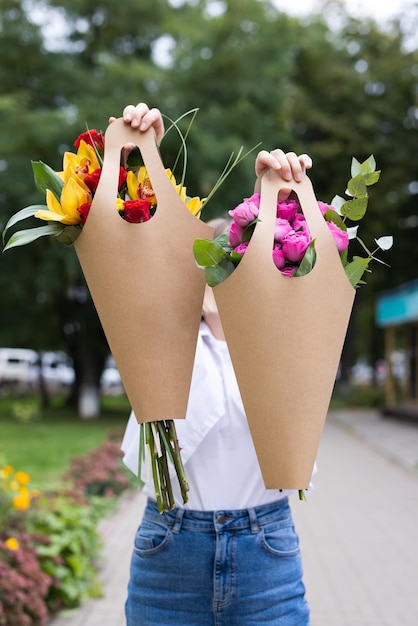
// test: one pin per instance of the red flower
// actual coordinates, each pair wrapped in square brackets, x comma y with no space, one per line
[92,179]
[122,177]
[84,211]
[136,211]
[93,138]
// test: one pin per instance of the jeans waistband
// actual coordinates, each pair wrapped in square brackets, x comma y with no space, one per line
[235,519]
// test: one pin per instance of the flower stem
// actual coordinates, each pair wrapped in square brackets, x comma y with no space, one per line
[161,439]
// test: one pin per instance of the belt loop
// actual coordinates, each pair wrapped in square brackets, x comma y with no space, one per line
[253,521]
[179,520]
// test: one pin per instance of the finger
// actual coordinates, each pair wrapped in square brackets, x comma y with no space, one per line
[134,114]
[284,193]
[153,118]
[266,160]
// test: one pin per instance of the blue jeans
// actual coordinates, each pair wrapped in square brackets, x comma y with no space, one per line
[220,568]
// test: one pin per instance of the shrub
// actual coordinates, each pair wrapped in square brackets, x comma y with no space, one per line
[23,585]
[99,472]
[70,553]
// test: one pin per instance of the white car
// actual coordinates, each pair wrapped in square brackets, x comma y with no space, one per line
[15,367]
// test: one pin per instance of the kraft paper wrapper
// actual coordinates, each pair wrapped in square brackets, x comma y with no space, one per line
[144,282]
[285,336]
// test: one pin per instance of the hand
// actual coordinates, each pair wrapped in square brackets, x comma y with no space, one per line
[289,164]
[142,117]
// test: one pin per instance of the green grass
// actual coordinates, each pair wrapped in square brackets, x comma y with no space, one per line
[43,442]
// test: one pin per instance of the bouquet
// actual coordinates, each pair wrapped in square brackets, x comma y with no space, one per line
[69,195]
[285,333]
[293,248]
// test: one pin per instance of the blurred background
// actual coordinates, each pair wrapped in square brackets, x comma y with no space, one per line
[333,79]
[336,80]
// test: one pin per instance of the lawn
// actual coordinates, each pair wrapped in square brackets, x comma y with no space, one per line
[42,443]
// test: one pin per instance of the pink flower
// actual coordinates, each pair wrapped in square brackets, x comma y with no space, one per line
[242,248]
[289,270]
[325,207]
[300,223]
[340,236]
[281,228]
[295,244]
[278,257]
[247,211]
[287,209]
[235,234]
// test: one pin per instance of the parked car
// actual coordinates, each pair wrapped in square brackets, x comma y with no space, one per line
[21,369]
[15,368]
[57,371]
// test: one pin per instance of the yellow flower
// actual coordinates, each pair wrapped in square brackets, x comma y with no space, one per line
[22,478]
[21,502]
[139,186]
[80,164]
[73,195]
[6,471]
[195,205]
[12,543]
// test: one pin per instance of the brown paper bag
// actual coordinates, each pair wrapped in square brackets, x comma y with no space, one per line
[285,337]
[144,282]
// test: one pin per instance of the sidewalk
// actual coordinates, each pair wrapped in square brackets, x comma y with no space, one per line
[358,531]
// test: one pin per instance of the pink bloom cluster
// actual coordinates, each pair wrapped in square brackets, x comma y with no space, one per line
[291,233]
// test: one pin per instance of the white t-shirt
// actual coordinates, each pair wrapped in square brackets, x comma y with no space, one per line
[216,446]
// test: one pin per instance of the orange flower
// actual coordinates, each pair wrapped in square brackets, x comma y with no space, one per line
[21,501]
[12,543]
[22,478]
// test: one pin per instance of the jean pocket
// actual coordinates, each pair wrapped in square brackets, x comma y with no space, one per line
[280,539]
[151,538]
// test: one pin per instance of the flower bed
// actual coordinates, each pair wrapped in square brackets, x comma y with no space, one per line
[49,542]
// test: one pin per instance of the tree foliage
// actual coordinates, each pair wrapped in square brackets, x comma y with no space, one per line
[255,73]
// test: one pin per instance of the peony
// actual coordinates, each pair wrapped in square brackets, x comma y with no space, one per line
[287,209]
[235,235]
[241,248]
[324,207]
[247,211]
[278,257]
[281,228]
[340,236]
[300,223]
[295,245]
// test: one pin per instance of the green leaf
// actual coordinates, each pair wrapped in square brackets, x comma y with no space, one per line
[372,178]
[23,237]
[357,187]
[355,209]
[134,159]
[23,214]
[332,216]
[69,234]
[337,202]
[356,269]
[208,253]
[218,273]
[249,230]
[308,260]
[47,178]
[355,167]
[369,165]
